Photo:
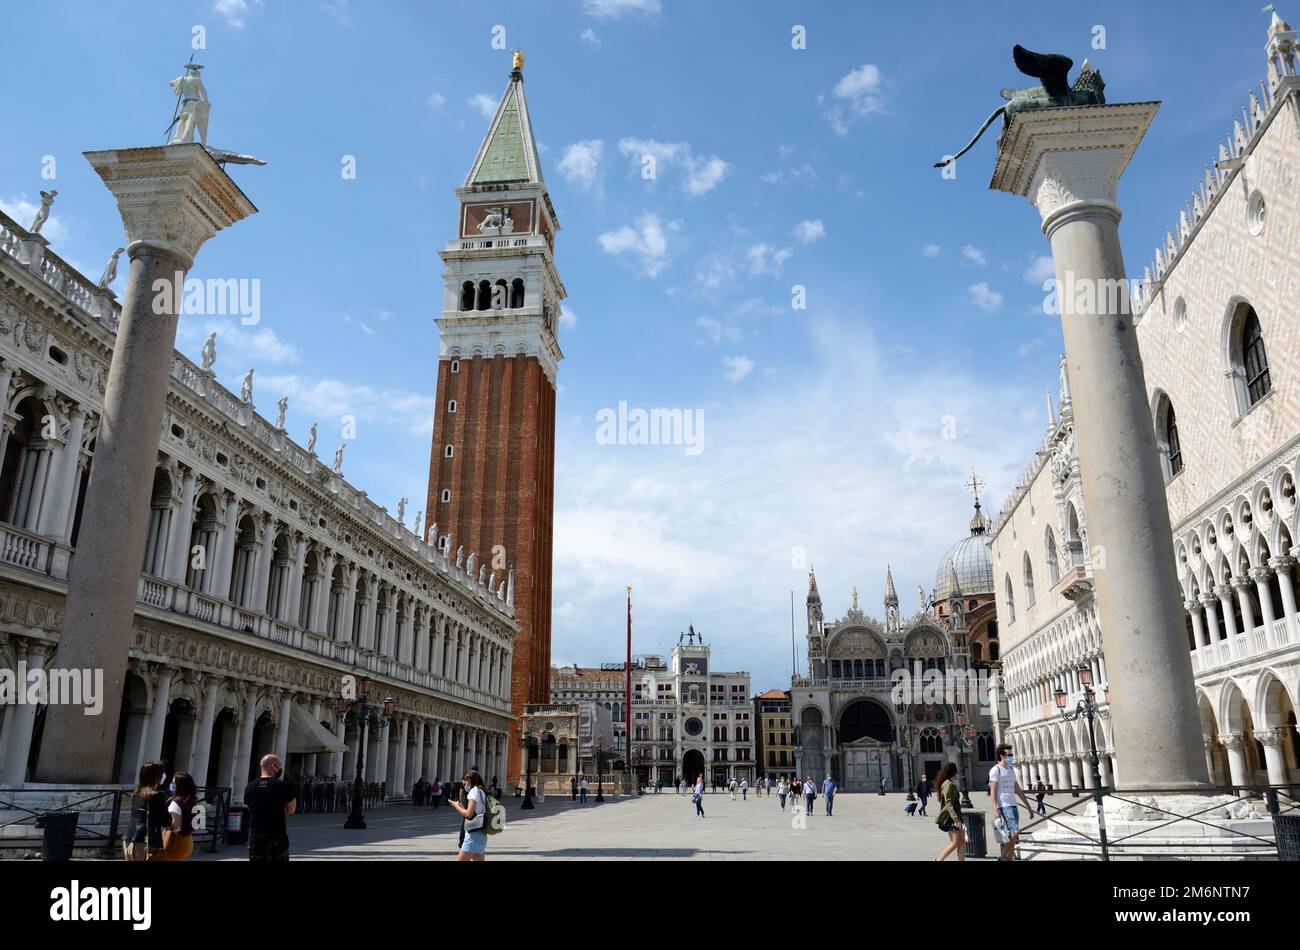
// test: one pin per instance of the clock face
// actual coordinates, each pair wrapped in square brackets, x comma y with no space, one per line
[694,727]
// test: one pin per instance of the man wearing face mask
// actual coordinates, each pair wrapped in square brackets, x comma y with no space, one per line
[270,801]
[1004,790]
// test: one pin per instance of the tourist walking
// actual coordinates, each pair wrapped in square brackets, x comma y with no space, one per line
[582,790]
[1004,789]
[1040,792]
[949,819]
[828,791]
[573,787]
[436,792]
[698,796]
[744,789]
[148,814]
[781,790]
[809,794]
[731,787]
[923,789]
[270,801]
[473,845]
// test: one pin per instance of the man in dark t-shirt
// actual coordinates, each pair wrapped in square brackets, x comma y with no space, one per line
[269,802]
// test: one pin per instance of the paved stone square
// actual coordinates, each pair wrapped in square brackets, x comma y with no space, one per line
[653,827]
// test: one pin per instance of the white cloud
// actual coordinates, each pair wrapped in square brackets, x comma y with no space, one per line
[24,212]
[1041,270]
[366,328]
[803,174]
[767,259]
[716,331]
[484,103]
[589,37]
[436,101]
[987,300]
[1028,347]
[647,242]
[701,174]
[930,250]
[335,398]
[858,94]
[340,11]
[737,368]
[614,9]
[568,318]
[808,231]
[234,12]
[974,255]
[580,164]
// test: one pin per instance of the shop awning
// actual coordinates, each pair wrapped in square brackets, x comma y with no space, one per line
[307,735]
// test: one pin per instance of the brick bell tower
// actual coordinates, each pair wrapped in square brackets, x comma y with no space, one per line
[492,469]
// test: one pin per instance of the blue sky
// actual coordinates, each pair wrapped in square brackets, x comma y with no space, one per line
[823,428]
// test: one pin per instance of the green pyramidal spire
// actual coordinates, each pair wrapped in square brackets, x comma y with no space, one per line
[508,152]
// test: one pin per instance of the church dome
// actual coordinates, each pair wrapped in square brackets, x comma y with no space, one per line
[969,560]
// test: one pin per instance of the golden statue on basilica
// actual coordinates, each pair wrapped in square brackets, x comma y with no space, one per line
[519,60]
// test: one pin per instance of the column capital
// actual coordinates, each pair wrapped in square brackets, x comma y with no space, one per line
[1282,562]
[1207,599]
[1069,159]
[1191,606]
[1223,591]
[171,197]
[1240,582]
[1272,738]
[1233,742]
[1259,574]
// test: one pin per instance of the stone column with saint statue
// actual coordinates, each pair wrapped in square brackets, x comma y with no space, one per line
[172,199]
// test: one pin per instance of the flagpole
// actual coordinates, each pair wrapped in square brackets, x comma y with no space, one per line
[794,660]
[627,682]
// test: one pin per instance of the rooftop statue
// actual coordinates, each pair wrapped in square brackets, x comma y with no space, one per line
[110,270]
[1055,92]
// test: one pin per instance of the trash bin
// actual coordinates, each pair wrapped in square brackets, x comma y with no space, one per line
[976,846]
[1287,830]
[237,824]
[60,829]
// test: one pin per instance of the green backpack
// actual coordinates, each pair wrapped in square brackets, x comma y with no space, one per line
[494,816]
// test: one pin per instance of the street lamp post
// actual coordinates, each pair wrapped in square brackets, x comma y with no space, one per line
[600,780]
[526,743]
[1088,708]
[360,713]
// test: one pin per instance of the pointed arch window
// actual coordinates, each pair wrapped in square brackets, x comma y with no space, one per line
[1255,359]
[1011,600]
[1053,563]
[1172,446]
[1029,582]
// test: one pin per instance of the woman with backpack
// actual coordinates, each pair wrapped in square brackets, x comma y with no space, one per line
[949,818]
[697,795]
[474,811]
[178,837]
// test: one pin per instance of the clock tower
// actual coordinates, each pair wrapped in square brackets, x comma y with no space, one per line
[492,468]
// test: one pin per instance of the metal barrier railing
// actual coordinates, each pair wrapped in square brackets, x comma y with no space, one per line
[1094,840]
[104,807]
